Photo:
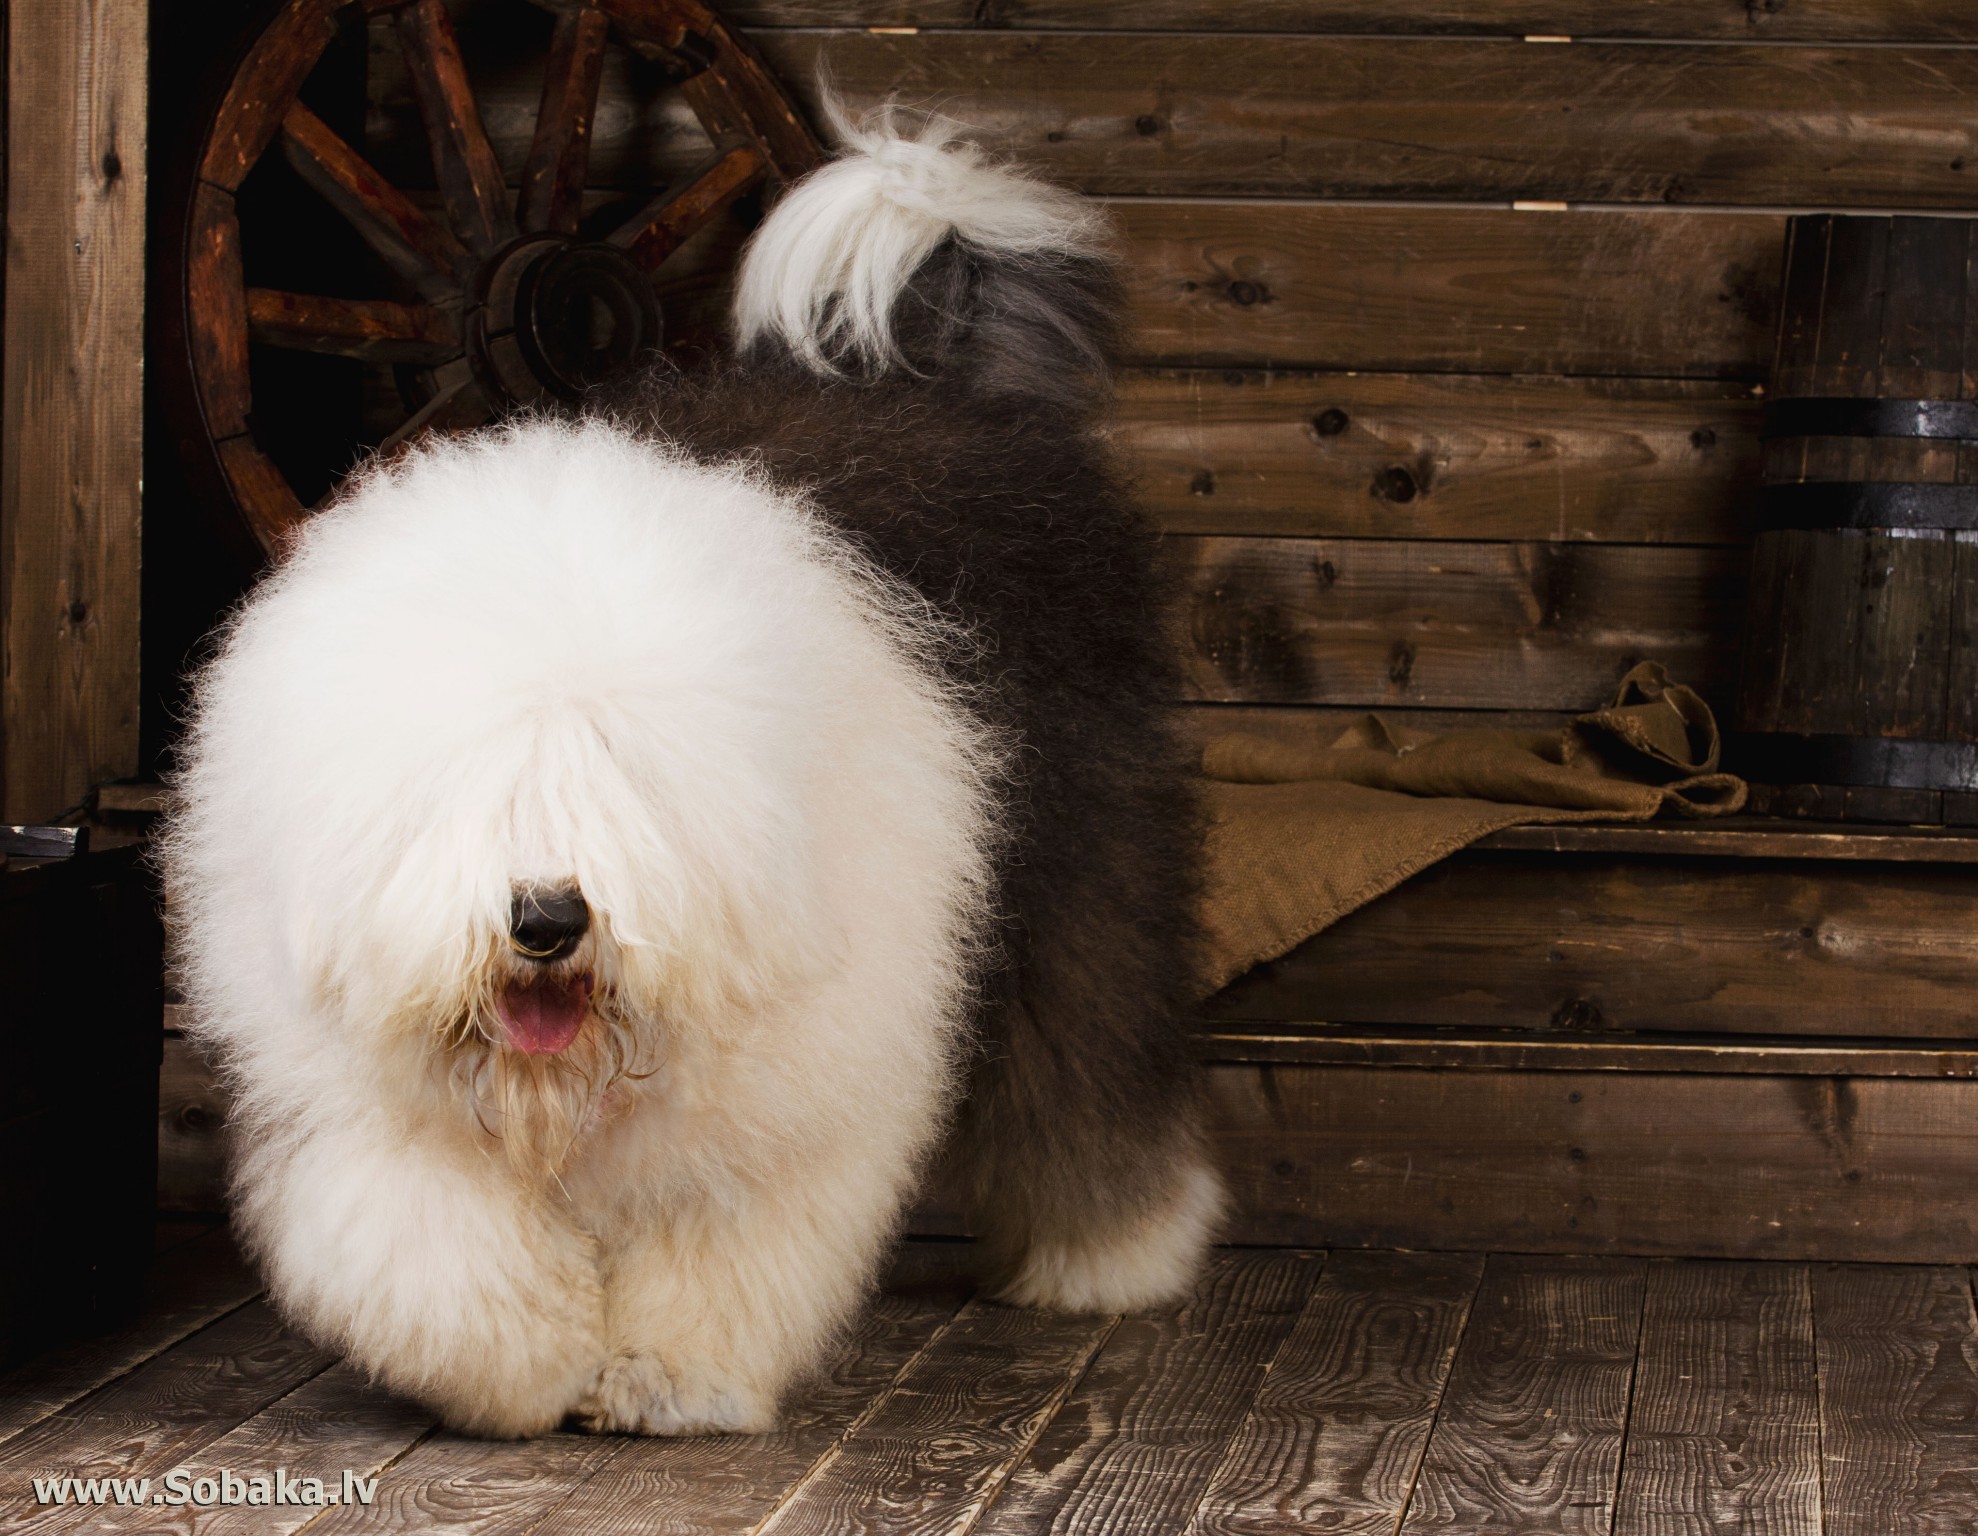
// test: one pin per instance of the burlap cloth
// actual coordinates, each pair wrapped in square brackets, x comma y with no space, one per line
[1301,835]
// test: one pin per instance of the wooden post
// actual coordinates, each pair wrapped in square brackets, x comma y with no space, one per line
[72,400]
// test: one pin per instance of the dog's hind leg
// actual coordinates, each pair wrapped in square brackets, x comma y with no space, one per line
[1082,1139]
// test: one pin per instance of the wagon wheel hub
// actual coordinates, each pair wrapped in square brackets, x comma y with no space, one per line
[558,317]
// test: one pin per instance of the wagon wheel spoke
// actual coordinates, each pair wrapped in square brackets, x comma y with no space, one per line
[559,155]
[459,406]
[410,243]
[376,330]
[469,175]
[669,220]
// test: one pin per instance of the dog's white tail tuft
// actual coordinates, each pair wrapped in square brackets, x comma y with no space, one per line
[825,273]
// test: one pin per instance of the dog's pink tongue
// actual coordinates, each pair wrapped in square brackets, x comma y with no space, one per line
[544,1018]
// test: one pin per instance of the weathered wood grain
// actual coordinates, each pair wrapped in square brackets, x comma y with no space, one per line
[1877,21]
[1725,1432]
[1528,1438]
[217,293]
[1600,1162]
[173,1407]
[932,1453]
[559,153]
[1335,1437]
[1748,837]
[1426,289]
[192,1113]
[375,329]
[1364,455]
[1136,1443]
[1596,943]
[1464,290]
[1452,625]
[249,117]
[266,499]
[1320,1045]
[726,1485]
[333,1424]
[1898,1359]
[470,178]
[188,1287]
[1663,292]
[413,245]
[71,402]
[1219,113]
[449,1484]
[674,217]
[643,133]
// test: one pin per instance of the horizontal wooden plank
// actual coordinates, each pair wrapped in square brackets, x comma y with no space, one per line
[1453,625]
[1402,456]
[1596,944]
[1249,284]
[1465,290]
[1601,1162]
[1451,1051]
[1907,21]
[1748,837]
[1285,116]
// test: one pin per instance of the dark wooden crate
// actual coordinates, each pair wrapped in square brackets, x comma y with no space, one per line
[80,991]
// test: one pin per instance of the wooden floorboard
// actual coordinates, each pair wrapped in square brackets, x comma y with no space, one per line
[157,1416]
[1137,1442]
[1725,1432]
[1335,1438]
[1361,1393]
[725,1485]
[943,1439]
[332,1424]
[1528,1439]
[189,1287]
[1898,1356]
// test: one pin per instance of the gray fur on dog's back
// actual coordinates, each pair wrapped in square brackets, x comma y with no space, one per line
[960,456]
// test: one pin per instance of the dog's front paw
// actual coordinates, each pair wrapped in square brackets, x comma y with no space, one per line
[640,1395]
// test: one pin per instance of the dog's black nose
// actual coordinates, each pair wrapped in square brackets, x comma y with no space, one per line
[546,925]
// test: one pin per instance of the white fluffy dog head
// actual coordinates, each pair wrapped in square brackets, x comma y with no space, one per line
[549,657]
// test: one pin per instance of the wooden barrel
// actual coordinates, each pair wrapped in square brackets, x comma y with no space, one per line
[1858,696]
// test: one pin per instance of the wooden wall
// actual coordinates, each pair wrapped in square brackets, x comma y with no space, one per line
[70,449]
[1451,318]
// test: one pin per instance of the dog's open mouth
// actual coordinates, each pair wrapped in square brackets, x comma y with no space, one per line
[541,1018]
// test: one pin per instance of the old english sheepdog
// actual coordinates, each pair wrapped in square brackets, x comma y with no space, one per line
[617,852]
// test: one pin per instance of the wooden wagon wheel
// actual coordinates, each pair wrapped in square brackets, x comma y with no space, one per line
[502,303]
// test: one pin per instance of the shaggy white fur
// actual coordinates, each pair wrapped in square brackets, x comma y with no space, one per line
[822,275]
[555,653]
